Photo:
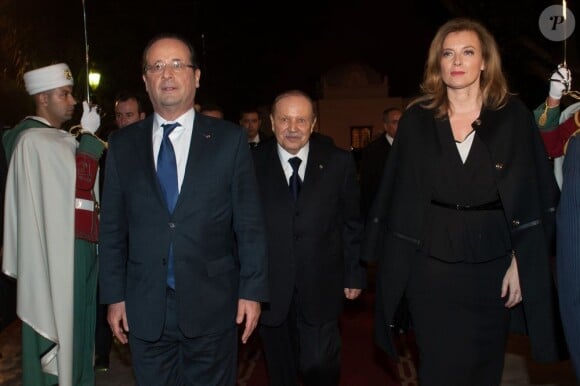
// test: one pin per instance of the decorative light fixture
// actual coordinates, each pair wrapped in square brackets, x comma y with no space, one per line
[94,79]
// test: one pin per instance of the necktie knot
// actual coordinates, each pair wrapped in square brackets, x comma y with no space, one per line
[295,163]
[168,128]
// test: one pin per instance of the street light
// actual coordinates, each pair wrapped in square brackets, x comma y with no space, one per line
[94,79]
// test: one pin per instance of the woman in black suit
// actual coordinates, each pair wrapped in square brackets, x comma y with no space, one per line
[466,209]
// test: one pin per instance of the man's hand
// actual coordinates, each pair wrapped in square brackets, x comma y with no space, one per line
[560,82]
[352,293]
[249,310]
[117,318]
[91,120]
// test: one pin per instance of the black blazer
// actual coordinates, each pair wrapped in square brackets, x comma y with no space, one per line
[527,190]
[313,244]
[218,201]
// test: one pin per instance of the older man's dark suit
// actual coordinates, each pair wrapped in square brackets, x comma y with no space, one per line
[313,244]
[217,202]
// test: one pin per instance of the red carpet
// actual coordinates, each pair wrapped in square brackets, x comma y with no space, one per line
[363,364]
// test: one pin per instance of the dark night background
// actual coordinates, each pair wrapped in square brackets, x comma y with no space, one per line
[252,50]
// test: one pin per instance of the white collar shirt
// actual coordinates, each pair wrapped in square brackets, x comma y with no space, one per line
[285,156]
[180,139]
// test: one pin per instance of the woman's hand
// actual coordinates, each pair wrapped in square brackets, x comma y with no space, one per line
[510,285]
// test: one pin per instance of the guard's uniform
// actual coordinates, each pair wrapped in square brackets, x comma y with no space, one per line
[50,248]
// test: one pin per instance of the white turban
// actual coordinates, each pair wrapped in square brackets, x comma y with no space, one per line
[47,78]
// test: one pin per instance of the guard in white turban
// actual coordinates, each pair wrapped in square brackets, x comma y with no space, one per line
[50,231]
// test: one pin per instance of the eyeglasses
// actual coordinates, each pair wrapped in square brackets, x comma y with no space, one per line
[176,65]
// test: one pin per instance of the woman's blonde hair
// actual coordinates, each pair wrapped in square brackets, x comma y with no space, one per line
[493,84]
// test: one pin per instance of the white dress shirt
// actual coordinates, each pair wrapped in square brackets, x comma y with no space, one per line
[180,139]
[285,156]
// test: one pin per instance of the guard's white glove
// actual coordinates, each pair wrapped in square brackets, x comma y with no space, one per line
[91,120]
[560,81]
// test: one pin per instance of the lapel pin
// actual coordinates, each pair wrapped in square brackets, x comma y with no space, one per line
[320,166]
[207,136]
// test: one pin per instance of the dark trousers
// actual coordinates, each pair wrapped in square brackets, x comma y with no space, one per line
[103,334]
[176,360]
[460,322]
[297,347]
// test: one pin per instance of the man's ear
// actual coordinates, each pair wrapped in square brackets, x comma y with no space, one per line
[42,99]
[313,124]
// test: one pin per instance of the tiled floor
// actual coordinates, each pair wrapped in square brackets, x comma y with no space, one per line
[519,369]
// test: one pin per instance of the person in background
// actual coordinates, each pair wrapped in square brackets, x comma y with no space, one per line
[183,247]
[128,110]
[310,197]
[374,157]
[466,210]
[212,111]
[562,139]
[547,114]
[251,121]
[568,250]
[50,231]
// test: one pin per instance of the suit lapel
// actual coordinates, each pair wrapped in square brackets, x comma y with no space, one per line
[315,169]
[201,142]
[145,151]
[487,127]
[276,176]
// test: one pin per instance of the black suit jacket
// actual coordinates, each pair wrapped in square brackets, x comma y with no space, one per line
[313,244]
[218,202]
[527,190]
[372,164]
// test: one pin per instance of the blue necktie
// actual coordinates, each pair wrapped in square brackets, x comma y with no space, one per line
[295,182]
[167,176]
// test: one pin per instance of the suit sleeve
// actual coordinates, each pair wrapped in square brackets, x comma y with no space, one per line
[568,248]
[113,248]
[249,226]
[355,273]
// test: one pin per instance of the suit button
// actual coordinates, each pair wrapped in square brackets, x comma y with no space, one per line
[171,225]
[499,166]
[515,222]
[164,261]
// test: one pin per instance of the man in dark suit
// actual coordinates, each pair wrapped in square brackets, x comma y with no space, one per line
[374,156]
[182,248]
[129,108]
[251,121]
[373,160]
[310,197]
